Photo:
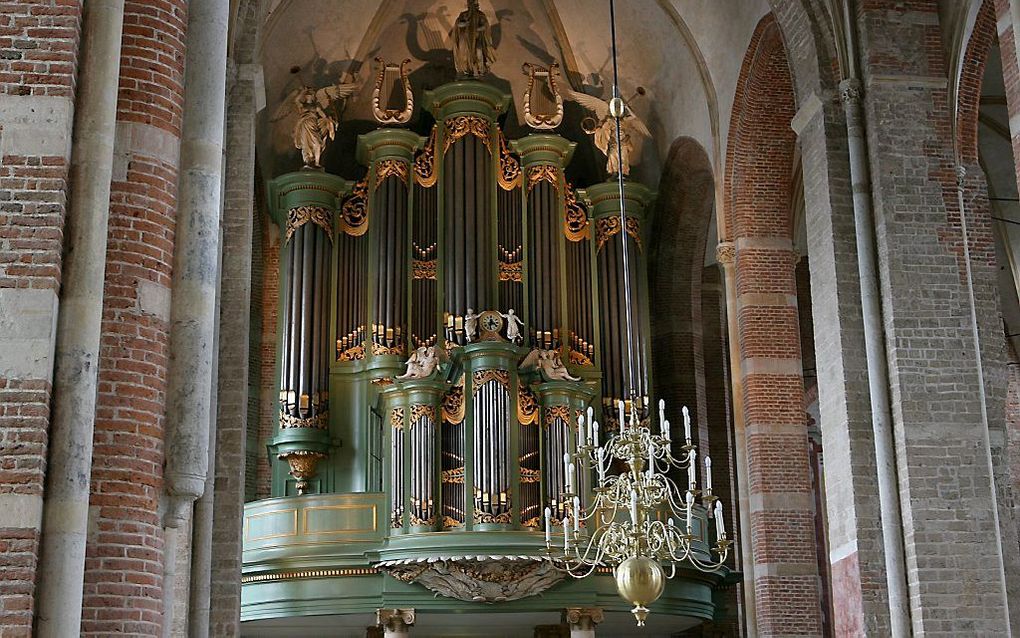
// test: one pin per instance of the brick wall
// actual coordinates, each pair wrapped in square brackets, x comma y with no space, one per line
[38,62]
[268,383]
[124,556]
[760,169]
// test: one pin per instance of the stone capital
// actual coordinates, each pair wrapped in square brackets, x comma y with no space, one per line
[725,252]
[850,90]
[583,618]
[395,621]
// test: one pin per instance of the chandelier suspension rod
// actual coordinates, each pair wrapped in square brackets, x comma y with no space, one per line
[618,111]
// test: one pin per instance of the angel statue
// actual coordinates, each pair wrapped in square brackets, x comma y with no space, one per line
[549,365]
[473,52]
[604,130]
[513,326]
[423,363]
[317,117]
[470,324]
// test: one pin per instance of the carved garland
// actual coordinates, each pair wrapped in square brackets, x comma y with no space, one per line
[509,176]
[425,174]
[513,271]
[390,168]
[607,227]
[557,412]
[462,125]
[453,403]
[575,223]
[352,354]
[317,422]
[543,173]
[423,269]
[301,215]
[354,212]
[481,377]
[527,407]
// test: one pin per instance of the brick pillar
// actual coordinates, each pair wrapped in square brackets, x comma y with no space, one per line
[720,438]
[1007,14]
[38,61]
[781,509]
[941,434]
[124,557]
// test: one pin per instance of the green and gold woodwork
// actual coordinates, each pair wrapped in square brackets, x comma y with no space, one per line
[304,205]
[623,369]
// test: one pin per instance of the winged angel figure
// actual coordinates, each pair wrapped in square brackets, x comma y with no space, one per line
[549,364]
[604,131]
[317,117]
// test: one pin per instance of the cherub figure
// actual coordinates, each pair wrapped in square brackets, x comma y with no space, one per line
[513,326]
[317,117]
[549,365]
[470,324]
[473,52]
[422,364]
[604,131]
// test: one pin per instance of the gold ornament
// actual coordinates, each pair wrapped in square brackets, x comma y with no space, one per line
[354,212]
[425,174]
[543,173]
[303,465]
[607,227]
[640,581]
[575,222]
[390,168]
[509,176]
[301,215]
[461,125]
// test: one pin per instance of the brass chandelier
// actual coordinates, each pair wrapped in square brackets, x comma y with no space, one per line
[640,518]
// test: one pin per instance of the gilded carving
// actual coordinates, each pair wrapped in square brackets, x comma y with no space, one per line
[303,466]
[481,377]
[527,406]
[390,167]
[505,518]
[454,476]
[397,418]
[387,115]
[319,421]
[378,349]
[423,269]
[557,412]
[608,227]
[480,580]
[301,215]
[579,358]
[462,125]
[553,116]
[509,176]
[513,271]
[354,212]
[530,476]
[575,222]
[453,403]
[543,173]
[353,354]
[420,410]
[425,174]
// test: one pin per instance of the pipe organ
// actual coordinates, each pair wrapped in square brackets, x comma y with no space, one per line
[445,319]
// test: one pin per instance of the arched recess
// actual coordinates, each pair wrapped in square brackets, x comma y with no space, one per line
[985,151]
[780,518]
[677,258]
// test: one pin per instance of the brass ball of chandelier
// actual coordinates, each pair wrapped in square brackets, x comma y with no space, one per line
[640,581]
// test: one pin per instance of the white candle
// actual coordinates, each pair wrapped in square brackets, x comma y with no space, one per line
[651,460]
[720,527]
[692,471]
[634,506]
[577,514]
[623,421]
[601,455]
[566,532]
[687,424]
[566,463]
[690,512]
[595,433]
[548,525]
[708,474]
[580,432]
[591,414]
[570,478]
[662,413]
[665,430]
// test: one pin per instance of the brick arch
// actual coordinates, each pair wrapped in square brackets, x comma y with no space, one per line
[972,71]
[676,264]
[759,214]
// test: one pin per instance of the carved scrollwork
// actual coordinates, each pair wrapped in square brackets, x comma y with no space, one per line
[454,476]
[543,173]
[354,212]
[527,406]
[607,227]
[509,176]
[530,476]
[557,412]
[420,410]
[453,404]
[387,115]
[319,421]
[725,252]
[352,354]
[579,358]
[378,349]
[425,174]
[505,518]
[397,418]
[462,125]
[575,222]
[390,168]
[301,215]
[423,269]
[481,377]
[513,271]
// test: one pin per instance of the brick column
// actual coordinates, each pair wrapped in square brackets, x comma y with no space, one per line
[124,556]
[39,42]
[938,403]
[781,508]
